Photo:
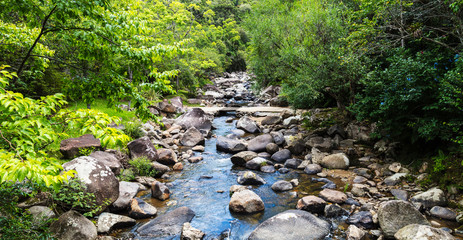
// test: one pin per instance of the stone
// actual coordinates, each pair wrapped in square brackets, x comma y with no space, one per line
[292,163]
[272,148]
[142,147]
[70,147]
[296,146]
[140,209]
[41,215]
[160,191]
[109,221]
[317,156]
[283,170]
[195,159]
[355,233]
[361,219]
[259,143]
[422,232]
[145,180]
[127,191]
[336,129]
[311,204]
[333,196]
[250,178]
[166,107]
[359,132]
[160,168]
[281,156]
[237,188]
[400,194]
[432,197]
[167,156]
[97,178]
[278,138]
[267,169]
[197,118]
[396,214]
[108,159]
[256,163]
[444,213]
[395,167]
[191,233]
[73,226]
[313,169]
[241,158]
[282,186]
[247,125]
[230,145]
[177,102]
[178,166]
[192,137]
[198,148]
[291,225]
[335,161]
[334,210]
[394,179]
[246,201]
[324,144]
[271,120]
[360,179]
[238,133]
[167,226]
[291,120]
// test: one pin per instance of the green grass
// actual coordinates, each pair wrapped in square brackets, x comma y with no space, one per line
[102,106]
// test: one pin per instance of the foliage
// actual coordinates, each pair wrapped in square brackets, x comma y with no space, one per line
[126,175]
[101,105]
[133,129]
[143,167]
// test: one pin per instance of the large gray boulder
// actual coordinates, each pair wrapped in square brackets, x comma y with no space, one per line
[271,120]
[241,158]
[127,191]
[142,147]
[247,125]
[167,226]
[70,147]
[108,159]
[256,163]
[281,186]
[197,118]
[259,143]
[396,214]
[281,156]
[192,137]
[230,145]
[422,232]
[246,201]
[432,197]
[278,138]
[109,221]
[73,226]
[335,161]
[191,233]
[291,225]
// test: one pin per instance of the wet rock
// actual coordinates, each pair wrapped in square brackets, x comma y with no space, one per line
[335,161]
[238,133]
[230,145]
[110,221]
[312,169]
[355,233]
[291,225]
[272,148]
[127,191]
[333,196]
[198,148]
[281,156]
[278,137]
[324,144]
[167,226]
[241,158]
[256,163]
[197,118]
[160,168]
[192,137]
[160,191]
[281,186]
[311,204]
[73,226]
[145,180]
[334,210]
[395,214]
[178,166]
[430,198]
[247,125]
[237,188]
[400,194]
[167,156]
[108,159]
[246,201]
[259,143]
[268,169]
[142,147]
[264,155]
[195,159]
[444,213]
[422,232]
[191,233]
[283,170]
[361,219]
[41,214]
[250,178]
[139,209]
[70,147]
[394,179]
[292,163]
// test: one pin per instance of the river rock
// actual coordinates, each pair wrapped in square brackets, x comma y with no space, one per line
[73,226]
[291,225]
[237,188]
[278,138]
[230,145]
[142,147]
[140,209]
[160,168]
[167,156]
[250,178]
[311,204]
[394,179]
[296,145]
[166,107]
[432,197]
[317,156]
[361,219]
[355,233]
[271,120]
[400,194]
[395,214]
[267,169]
[41,214]
[422,232]
[108,159]
[324,144]
[259,143]
[246,201]
[177,102]
[167,226]
[197,118]
[291,120]
[127,191]
[98,179]
[256,163]
[333,196]
[334,210]
[293,163]
[335,161]
[313,169]
[247,125]
[70,147]
[281,186]
[444,213]
[191,233]
[192,137]
[160,191]
[241,158]
[281,156]
[110,221]
[272,148]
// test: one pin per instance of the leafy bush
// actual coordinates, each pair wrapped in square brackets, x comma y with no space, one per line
[133,129]
[143,167]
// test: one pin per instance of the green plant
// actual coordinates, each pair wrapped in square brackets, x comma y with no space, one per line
[133,129]
[346,187]
[86,151]
[143,167]
[439,162]
[126,175]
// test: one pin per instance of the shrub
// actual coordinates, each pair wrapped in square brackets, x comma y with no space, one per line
[143,167]
[133,129]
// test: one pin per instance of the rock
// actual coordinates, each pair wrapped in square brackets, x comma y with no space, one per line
[197,118]
[70,147]
[335,161]
[361,219]
[177,102]
[73,226]
[293,163]
[167,226]
[160,168]
[192,137]
[334,210]
[291,225]
[142,147]
[97,178]
[317,156]
[395,214]
[139,209]
[214,94]
[191,233]
[247,125]
[198,148]
[195,159]
[230,145]
[360,179]
[127,191]
[271,120]
[430,198]
[250,178]
[267,169]
[241,158]
[178,166]
[400,194]
[355,233]
[108,159]
[281,186]
[283,170]
[272,148]
[358,190]
[145,180]
[311,204]
[246,201]
[281,156]
[237,188]
[324,144]
[160,191]
[256,163]
[394,179]
[296,146]
[291,120]
[110,221]
[358,132]
[313,169]
[259,143]
[333,196]
[395,167]
[41,214]
[278,138]
[166,107]
[336,129]
[167,156]
[444,213]
[422,232]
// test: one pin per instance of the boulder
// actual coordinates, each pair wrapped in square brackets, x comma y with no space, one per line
[139,209]
[333,196]
[41,214]
[110,221]
[324,144]
[256,163]
[281,156]
[214,94]
[198,148]
[191,233]
[229,145]
[247,125]
[160,191]
[250,178]
[97,178]
[177,102]
[197,118]
[241,158]
[167,156]
[195,159]
[313,169]
[444,213]
[291,120]
[432,197]
[108,159]
[246,201]
[394,179]
[73,226]
[335,161]
[178,166]
[267,169]
[127,191]
[192,137]
[291,225]
[160,168]
[355,233]
[311,204]
[282,186]
[361,219]
[272,148]
[422,232]
[293,163]
[142,147]
[359,132]
[167,226]
[317,156]
[400,194]
[336,129]
[70,147]
[334,210]
[259,143]
[278,138]
[296,145]
[396,214]
[166,107]
[271,120]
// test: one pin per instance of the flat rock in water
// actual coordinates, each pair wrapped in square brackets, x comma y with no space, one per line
[256,163]
[281,186]
[311,204]
[241,158]
[139,209]
[292,163]
[230,145]
[267,169]
[247,125]
[313,169]
[250,178]
[246,201]
[167,226]
[422,232]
